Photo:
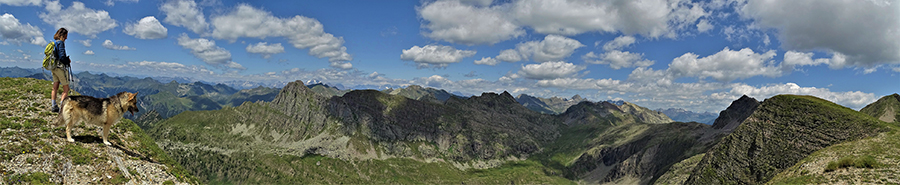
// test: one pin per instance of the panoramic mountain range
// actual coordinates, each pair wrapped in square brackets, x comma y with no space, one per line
[174,96]
[320,134]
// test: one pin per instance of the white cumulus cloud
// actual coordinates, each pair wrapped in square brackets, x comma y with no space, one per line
[185,13]
[618,59]
[488,22]
[582,84]
[147,28]
[206,50]
[78,18]
[302,32]
[434,55]
[14,31]
[457,22]
[866,32]
[794,58]
[552,48]
[20,2]
[113,2]
[704,26]
[86,42]
[89,52]
[619,43]
[265,49]
[549,70]
[852,99]
[726,65]
[109,45]
[487,61]
[651,18]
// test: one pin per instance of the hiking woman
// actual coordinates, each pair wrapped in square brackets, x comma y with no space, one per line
[60,75]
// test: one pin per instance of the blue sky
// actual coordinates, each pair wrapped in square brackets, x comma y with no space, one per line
[698,55]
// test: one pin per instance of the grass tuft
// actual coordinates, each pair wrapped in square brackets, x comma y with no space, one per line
[865,161]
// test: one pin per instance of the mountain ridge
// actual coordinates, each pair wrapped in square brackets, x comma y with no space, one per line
[751,155]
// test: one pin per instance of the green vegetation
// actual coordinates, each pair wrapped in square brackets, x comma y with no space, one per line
[573,141]
[875,158]
[118,179]
[793,127]
[28,133]
[147,146]
[287,169]
[78,154]
[233,145]
[866,161]
[29,178]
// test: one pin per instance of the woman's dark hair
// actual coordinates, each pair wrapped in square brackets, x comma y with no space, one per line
[62,32]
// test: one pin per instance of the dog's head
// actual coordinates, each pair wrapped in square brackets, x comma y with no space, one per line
[130,103]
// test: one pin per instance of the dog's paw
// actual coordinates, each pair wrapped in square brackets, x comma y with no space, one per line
[70,140]
[107,143]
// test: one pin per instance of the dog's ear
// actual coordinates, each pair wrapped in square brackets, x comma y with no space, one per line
[132,96]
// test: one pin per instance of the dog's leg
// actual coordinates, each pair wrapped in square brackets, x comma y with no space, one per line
[106,133]
[69,124]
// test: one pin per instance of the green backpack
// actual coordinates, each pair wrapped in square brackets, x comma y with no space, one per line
[50,60]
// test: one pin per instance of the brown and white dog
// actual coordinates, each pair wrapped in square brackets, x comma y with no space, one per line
[103,112]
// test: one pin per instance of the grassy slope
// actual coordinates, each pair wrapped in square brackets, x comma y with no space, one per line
[38,130]
[253,161]
[244,157]
[814,168]
[882,148]
[784,130]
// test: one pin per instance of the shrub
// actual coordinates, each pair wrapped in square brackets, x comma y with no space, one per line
[32,178]
[866,161]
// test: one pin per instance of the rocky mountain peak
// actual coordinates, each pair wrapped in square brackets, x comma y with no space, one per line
[415,87]
[490,97]
[292,93]
[578,98]
[739,110]
[886,109]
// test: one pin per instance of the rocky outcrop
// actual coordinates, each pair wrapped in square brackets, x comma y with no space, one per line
[886,109]
[645,157]
[592,112]
[420,93]
[732,116]
[644,114]
[478,128]
[782,130]
[553,105]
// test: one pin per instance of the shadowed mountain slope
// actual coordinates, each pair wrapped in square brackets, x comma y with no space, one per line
[553,105]
[479,132]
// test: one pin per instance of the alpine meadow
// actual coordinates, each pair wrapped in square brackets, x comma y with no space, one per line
[450,92]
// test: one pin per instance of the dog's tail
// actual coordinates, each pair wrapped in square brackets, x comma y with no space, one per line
[57,121]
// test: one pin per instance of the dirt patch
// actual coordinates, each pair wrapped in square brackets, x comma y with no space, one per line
[888,115]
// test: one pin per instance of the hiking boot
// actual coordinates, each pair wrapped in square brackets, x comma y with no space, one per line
[54,109]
